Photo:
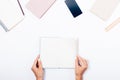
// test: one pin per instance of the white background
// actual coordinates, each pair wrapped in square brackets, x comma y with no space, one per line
[20,46]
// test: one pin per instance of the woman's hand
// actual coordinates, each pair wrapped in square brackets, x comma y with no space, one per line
[80,67]
[37,69]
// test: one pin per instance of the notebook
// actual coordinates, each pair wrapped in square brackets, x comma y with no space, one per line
[11,13]
[73,7]
[104,8]
[58,52]
[39,7]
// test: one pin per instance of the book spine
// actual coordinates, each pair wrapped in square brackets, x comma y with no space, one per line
[3,25]
[20,7]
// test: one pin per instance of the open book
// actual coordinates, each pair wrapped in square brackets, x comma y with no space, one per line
[58,52]
[11,13]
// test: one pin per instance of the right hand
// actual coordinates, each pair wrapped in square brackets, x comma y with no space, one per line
[80,67]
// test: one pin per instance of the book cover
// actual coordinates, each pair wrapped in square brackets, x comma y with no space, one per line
[39,7]
[11,13]
[104,8]
[58,52]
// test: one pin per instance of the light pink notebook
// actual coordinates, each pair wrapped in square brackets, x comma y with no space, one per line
[39,7]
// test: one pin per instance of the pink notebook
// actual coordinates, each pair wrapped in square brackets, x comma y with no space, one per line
[39,7]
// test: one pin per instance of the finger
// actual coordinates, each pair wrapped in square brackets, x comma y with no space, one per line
[36,60]
[86,63]
[39,63]
[76,62]
[81,61]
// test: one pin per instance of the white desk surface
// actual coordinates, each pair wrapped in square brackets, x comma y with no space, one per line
[20,46]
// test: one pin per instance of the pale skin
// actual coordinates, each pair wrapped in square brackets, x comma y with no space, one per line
[37,69]
[80,67]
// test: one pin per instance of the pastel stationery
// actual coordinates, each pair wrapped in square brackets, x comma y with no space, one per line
[73,7]
[11,13]
[104,8]
[58,52]
[39,7]
[113,24]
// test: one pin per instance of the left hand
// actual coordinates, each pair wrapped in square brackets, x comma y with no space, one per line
[37,68]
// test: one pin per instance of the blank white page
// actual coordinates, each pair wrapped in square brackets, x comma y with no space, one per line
[39,7]
[10,13]
[58,52]
[104,8]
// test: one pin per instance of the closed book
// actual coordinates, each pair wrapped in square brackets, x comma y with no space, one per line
[11,13]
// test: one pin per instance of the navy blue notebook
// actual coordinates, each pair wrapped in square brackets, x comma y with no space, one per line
[73,7]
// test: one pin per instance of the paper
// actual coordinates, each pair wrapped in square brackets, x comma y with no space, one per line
[39,7]
[10,13]
[104,8]
[58,52]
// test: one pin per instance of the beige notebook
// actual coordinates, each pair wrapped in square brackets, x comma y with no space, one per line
[104,8]
[39,7]
[58,52]
[11,13]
